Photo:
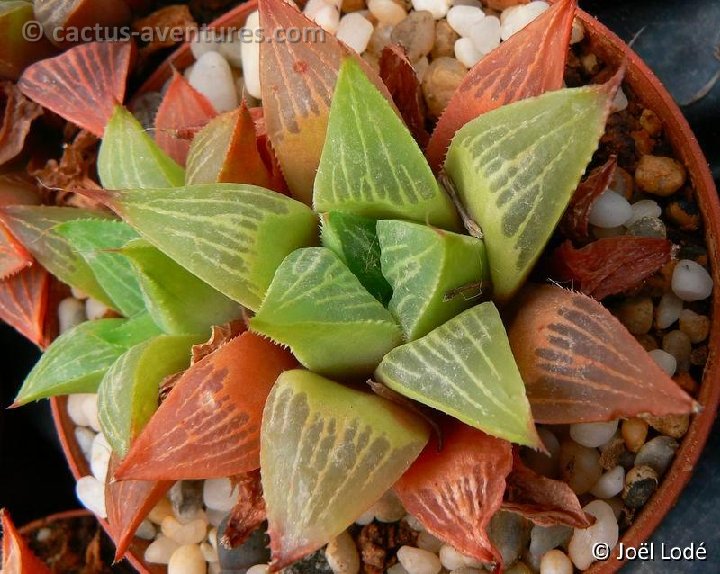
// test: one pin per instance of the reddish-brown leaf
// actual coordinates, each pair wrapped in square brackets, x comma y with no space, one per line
[17,558]
[542,500]
[575,223]
[183,107]
[528,64]
[454,491]
[15,189]
[24,302]
[249,513]
[609,265]
[155,26]
[298,80]
[580,364]
[128,502]
[220,335]
[82,85]
[209,425]
[402,82]
[17,118]
[13,256]
[267,152]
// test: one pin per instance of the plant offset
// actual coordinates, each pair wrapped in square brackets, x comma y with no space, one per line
[261,279]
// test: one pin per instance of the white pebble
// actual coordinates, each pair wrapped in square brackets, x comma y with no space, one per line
[578,31]
[231,50]
[604,531]
[342,555]
[386,11]
[610,210]
[388,508]
[396,568]
[463,19]
[620,101]
[95,309]
[213,78]
[160,550]
[429,542]
[146,530]
[366,517]
[204,41]
[644,208]
[219,494]
[192,532]
[466,52]
[450,558]
[546,538]
[100,457]
[251,57]
[417,561]
[91,493]
[162,509]
[668,310]
[209,553]
[328,18]
[556,562]
[355,30]
[90,410]
[71,313]
[187,559]
[485,35]
[78,293]
[85,439]
[258,569]
[414,523]
[76,410]
[515,18]
[593,434]
[475,3]
[438,8]
[691,281]
[215,517]
[664,360]
[609,484]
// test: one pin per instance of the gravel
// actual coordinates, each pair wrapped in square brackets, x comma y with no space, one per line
[418,561]
[604,531]
[91,493]
[342,555]
[593,434]
[668,310]
[188,559]
[609,484]
[691,281]
[610,210]
[657,453]
[213,78]
[355,30]
[664,360]
[71,313]
[219,494]
[160,550]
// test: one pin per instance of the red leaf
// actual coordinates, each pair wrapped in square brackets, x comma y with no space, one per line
[249,513]
[455,491]
[528,64]
[609,265]
[182,107]
[220,335]
[209,425]
[574,224]
[580,364]
[17,118]
[13,256]
[542,500]
[83,84]
[24,302]
[17,556]
[128,502]
[402,82]
[267,152]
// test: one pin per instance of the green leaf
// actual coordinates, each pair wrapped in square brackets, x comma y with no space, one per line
[465,368]
[34,226]
[77,360]
[129,158]
[370,164]
[434,274]
[179,302]
[97,241]
[328,453]
[354,240]
[515,169]
[317,307]
[128,393]
[232,236]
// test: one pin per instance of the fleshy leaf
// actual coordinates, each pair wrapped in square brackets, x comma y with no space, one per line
[128,502]
[328,453]
[77,360]
[13,256]
[24,302]
[516,168]
[580,364]
[226,151]
[542,500]
[18,116]
[18,51]
[609,265]
[83,84]
[33,226]
[528,64]
[182,107]
[354,240]
[177,300]
[231,236]
[317,307]
[129,158]
[97,241]
[434,274]
[375,169]
[228,388]
[128,393]
[17,557]
[454,490]
[465,369]
[297,81]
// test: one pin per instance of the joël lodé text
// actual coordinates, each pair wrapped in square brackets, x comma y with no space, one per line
[662,551]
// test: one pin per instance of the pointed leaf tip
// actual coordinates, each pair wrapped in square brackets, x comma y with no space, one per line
[17,557]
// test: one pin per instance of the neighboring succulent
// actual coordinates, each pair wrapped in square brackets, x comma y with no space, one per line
[409,286]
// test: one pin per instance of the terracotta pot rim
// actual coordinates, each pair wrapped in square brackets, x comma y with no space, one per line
[684,144]
[39,523]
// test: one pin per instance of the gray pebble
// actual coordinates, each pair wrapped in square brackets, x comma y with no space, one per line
[657,453]
[640,484]
[416,34]
[186,497]
[239,559]
[509,533]
[647,227]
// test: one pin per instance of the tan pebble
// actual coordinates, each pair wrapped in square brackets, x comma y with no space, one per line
[684,214]
[442,78]
[590,63]
[636,313]
[623,183]
[634,432]
[659,175]
[160,550]
[678,345]
[187,559]
[342,555]
[612,454]
[445,38]
[555,562]
[647,342]
[192,532]
[352,6]
[579,466]
[259,569]
[696,327]
[519,568]
[650,122]
[160,511]
[388,508]
[675,426]
[699,355]
[427,541]
[416,34]
[380,39]
[209,553]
